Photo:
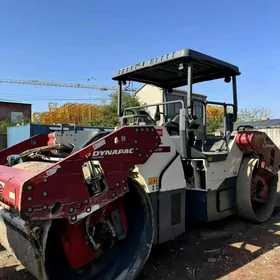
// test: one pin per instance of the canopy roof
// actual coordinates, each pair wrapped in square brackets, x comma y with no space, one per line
[171,70]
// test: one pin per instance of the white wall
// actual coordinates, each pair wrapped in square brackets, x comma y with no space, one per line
[273,134]
[150,94]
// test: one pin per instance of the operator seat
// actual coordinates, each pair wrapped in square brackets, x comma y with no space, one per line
[145,117]
[139,117]
[173,129]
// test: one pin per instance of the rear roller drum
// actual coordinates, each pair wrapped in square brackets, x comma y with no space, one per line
[255,191]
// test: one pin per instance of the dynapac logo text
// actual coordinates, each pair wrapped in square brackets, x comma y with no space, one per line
[112,152]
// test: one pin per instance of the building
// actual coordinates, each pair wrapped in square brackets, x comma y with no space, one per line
[14,112]
[149,94]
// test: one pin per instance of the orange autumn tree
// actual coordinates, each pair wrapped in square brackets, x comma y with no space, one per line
[215,118]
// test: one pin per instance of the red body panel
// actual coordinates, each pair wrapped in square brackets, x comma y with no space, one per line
[63,184]
[11,181]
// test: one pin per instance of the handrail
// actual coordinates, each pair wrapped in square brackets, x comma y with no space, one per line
[155,104]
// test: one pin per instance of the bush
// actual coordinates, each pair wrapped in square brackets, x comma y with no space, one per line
[7,123]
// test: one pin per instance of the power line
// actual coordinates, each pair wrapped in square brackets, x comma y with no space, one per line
[49,97]
[7,97]
[57,99]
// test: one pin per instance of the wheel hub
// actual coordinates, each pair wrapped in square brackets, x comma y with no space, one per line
[88,239]
[259,189]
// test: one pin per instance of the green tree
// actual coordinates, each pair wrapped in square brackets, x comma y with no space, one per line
[214,123]
[254,114]
[108,116]
[4,126]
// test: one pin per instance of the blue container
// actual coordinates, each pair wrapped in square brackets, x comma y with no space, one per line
[20,133]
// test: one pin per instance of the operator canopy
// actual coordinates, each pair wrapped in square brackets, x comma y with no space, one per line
[171,70]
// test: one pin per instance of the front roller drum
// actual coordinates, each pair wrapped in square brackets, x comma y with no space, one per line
[122,261]
[255,191]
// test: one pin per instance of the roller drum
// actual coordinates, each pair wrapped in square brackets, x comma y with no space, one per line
[246,207]
[124,261]
[15,239]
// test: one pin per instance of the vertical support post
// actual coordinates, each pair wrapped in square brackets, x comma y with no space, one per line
[204,104]
[185,138]
[120,99]
[183,134]
[189,96]
[225,120]
[234,90]
[164,99]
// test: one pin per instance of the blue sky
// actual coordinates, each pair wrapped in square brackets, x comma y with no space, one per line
[71,41]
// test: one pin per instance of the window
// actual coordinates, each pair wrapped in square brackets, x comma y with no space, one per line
[16,117]
[198,109]
[173,109]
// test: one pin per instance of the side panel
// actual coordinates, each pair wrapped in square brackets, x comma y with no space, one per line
[172,201]
[173,176]
[157,163]
[171,214]
[217,172]
[163,177]
[207,206]
[196,205]
[221,203]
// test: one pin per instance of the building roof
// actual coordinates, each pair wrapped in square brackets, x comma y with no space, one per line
[261,124]
[12,102]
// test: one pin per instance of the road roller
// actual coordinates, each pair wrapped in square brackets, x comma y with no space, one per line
[81,205]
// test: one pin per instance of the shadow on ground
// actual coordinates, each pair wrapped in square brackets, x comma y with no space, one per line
[12,273]
[212,251]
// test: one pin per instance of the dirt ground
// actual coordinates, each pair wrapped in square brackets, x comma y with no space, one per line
[228,250]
